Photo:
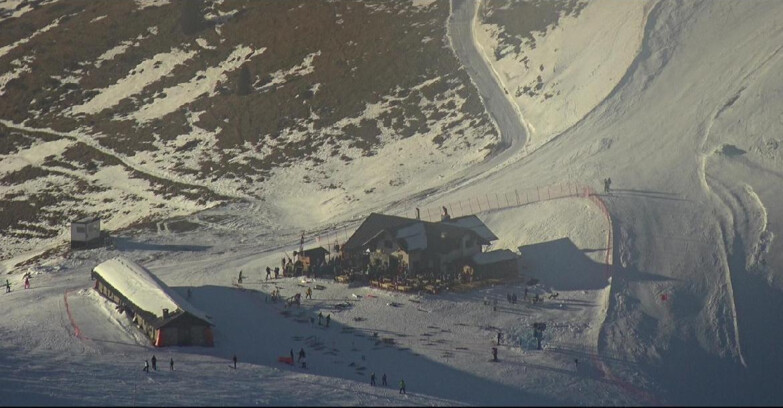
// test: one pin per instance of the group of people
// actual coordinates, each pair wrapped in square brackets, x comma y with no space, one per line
[155,364]
[26,283]
[321,316]
[269,272]
[383,382]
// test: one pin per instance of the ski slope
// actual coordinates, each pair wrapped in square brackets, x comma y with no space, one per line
[683,115]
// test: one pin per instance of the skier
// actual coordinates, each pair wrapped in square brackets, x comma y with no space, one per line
[7,286]
[146,366]
[383,379]
[171,364]
[154,363]
[277,272]
[402,386]
[27,282]
[576,364]
[235,361]
[320,316]
[494,354]
[301,354]
[239,280]
[328,318]
[372,379]
[268,272]
[292,356]
[499,336]
[309,293]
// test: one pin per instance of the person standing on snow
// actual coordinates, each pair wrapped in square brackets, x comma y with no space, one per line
[402,386]
[7,286]
[27,282]
[154,363]
[383,379]
[171,364]
[301,354]
[268,272]
[372,379]
[309,293]
[328,318]
[235,361]
[146,366]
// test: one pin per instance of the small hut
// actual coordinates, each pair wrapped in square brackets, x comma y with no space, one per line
[86,232]
[501,263]
[313,256]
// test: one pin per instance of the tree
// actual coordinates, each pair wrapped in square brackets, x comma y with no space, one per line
[191,19]
[244,85]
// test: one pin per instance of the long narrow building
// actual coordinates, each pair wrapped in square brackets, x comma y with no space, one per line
[159,311]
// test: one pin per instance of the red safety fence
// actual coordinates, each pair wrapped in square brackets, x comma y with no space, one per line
[76,330]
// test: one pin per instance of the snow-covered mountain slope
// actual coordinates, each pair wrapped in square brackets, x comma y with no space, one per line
[677,102]
[688,132]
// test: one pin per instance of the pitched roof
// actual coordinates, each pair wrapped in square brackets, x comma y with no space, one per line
[373,224]
[413,234]
[145,290]
[474,223]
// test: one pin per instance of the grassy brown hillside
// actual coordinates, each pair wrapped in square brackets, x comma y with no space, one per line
[313,70]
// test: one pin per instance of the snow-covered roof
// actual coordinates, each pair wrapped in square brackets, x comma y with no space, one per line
[473,222]
[499,255]
[143,288]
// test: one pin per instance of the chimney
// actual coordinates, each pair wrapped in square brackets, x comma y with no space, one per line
[165,313]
